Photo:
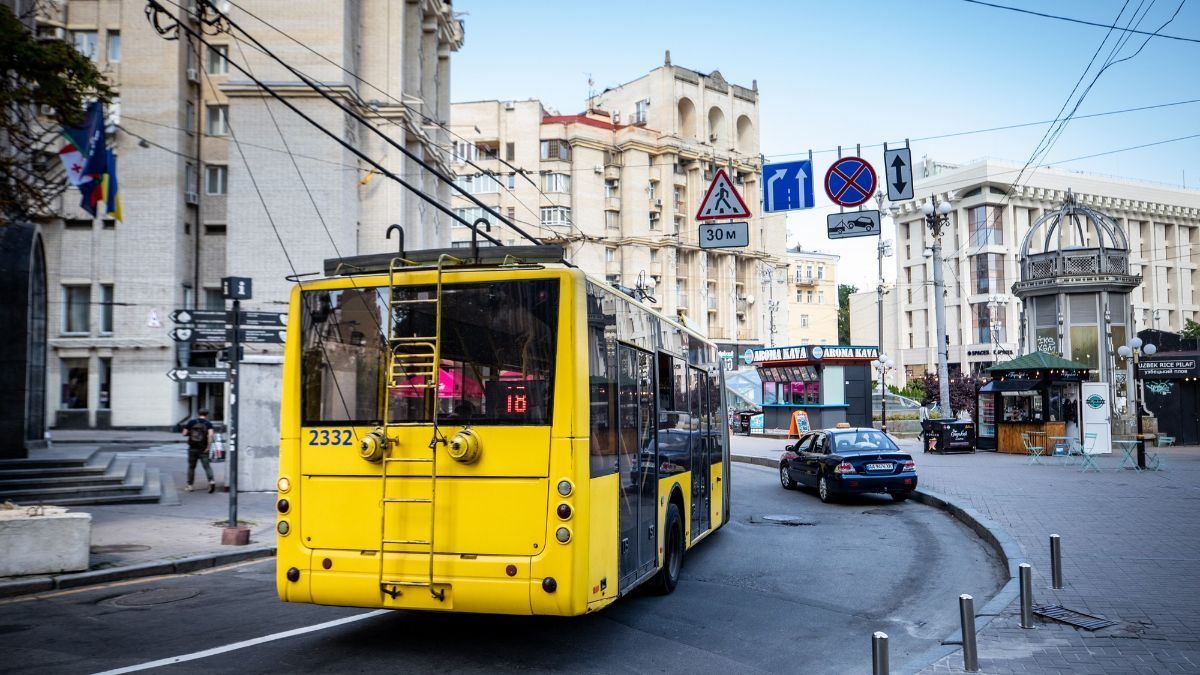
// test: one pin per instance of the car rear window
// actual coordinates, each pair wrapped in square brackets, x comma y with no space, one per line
[862,440]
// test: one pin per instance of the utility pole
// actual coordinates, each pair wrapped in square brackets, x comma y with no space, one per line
[937,216]
[884,249]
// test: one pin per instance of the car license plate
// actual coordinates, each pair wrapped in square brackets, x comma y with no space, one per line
[880,467]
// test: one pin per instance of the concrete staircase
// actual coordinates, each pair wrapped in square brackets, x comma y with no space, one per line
[79,475]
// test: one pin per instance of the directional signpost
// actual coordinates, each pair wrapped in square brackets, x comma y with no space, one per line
[200,333]
[852,224]
[850,181]
[271,319]
[199,316]
[787,186]
[724,235]
[898,165]
[263,335]
[199,374]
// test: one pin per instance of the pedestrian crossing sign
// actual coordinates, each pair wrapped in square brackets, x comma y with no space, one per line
[722,200]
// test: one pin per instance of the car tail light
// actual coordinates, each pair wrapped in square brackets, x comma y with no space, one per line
[845,467]
[910,465]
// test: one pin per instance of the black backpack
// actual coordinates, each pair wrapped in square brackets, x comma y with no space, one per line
[198,433]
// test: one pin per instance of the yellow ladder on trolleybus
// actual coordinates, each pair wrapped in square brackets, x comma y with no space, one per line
[414,364]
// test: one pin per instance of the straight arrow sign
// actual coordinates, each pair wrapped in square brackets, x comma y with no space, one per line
[899,180]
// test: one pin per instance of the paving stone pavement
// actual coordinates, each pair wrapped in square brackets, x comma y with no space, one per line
[1131,554]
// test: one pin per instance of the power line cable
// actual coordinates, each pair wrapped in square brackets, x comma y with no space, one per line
[1081,21]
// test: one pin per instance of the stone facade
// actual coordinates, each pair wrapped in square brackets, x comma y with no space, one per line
[812,292]
[619,186]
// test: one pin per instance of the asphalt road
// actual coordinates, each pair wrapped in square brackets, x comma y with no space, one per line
[755,596]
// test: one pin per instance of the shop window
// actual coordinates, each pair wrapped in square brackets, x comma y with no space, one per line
[74,394]
[77,305]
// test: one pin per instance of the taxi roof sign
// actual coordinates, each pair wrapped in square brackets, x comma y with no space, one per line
[722,200]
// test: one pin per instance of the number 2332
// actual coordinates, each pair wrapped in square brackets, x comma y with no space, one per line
[330,437]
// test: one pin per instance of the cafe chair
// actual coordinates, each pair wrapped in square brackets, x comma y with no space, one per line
[1035,451]
[1156,459]
[1075,451]
[1088,456]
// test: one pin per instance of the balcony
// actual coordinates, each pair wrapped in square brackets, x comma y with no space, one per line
[807,280]
[612,172]
[612,203]
[1076,269]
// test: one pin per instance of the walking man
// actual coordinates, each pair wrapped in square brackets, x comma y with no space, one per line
[199,433]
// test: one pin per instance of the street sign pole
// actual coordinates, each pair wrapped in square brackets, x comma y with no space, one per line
[236,358]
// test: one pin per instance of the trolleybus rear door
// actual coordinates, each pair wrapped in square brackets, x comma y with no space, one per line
[637,464]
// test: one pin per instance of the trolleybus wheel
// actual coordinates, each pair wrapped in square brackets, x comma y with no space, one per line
[668,577]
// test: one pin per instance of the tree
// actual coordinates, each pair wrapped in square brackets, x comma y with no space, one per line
[844,291]
[1191,330]
[962,392]
[45,85]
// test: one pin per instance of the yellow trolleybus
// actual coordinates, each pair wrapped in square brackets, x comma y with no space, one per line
[493,432]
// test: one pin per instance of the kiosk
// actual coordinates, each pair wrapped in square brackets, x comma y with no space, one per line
[1035,396]
[829,383]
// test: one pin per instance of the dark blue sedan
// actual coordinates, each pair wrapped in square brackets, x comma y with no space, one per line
[848,461]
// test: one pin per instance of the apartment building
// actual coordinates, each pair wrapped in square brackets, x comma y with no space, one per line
[214,177]
[619,185]
[980,251]
[813,299]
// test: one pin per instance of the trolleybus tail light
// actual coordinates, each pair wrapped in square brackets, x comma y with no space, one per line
[564,511]
[283,484]
[565,487]
[283,506]
[283,528]
[844,467]
[910,465]
[549,585]
[511,570]
[563,535]
[293,574]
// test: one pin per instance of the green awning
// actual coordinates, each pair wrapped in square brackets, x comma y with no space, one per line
[1039,361]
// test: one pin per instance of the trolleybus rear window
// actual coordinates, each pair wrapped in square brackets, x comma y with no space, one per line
[497,354]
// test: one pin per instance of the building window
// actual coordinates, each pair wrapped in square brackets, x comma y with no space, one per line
[105,383]
[478,184]
[189,178]
[218,120]
[987,330]
[640,110]
[653,255]
[808,298]
[681,293]
[804,321]
[510,151]
[986,226]
[610,255]
[820,297]
[190,118]
[77,223]
[989,273]
[214,228]
[469,214]
[511,212]
[106,309]
[465,151]
[77,305]
[612,220]
[512,181]
[214,299]
[556,216]
[114,46]
[74,384]
[654,220]
[556,149]
[652,189]
[610,188]
[799,295]
[556,182]
[85,43]
[216,179]
[218,59]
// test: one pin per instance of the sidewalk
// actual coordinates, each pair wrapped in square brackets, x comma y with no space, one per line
[183,531]
[1131,554]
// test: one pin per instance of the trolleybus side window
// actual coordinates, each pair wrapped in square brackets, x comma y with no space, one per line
[602,373]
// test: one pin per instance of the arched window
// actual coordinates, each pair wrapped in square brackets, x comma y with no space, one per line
[716,125]
[745,135]
[687,118]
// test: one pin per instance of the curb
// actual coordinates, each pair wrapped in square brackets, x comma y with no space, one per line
[995,536]
[40,584]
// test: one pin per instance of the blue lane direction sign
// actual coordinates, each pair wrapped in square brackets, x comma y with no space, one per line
[725,235]
[850,181]
[266,319]
[787,186]
[897,169]
[852,224]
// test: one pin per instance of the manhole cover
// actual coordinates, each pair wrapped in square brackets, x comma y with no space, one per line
[882,512]
[155,596]
[792,521]
[120,548]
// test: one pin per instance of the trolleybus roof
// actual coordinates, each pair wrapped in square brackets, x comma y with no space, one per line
[377,263]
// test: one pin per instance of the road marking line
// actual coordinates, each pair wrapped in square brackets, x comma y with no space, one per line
[245,643]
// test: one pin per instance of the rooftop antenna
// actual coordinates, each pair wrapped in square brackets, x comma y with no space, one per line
[591,90]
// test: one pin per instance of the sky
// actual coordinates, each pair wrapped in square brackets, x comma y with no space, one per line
[865,72]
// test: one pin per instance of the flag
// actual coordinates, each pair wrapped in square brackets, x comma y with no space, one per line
[95,169]
[112,195]
[72,161]
[74,154]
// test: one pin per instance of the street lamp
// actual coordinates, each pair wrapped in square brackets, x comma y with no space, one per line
[1136,348]
[882,366]
[937,217]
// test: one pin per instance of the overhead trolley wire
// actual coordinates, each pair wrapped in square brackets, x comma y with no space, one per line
[1081,21]
[154,8]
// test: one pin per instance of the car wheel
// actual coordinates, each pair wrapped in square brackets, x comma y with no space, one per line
[668,577]
[823,490]
[901,496]
[785,479]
